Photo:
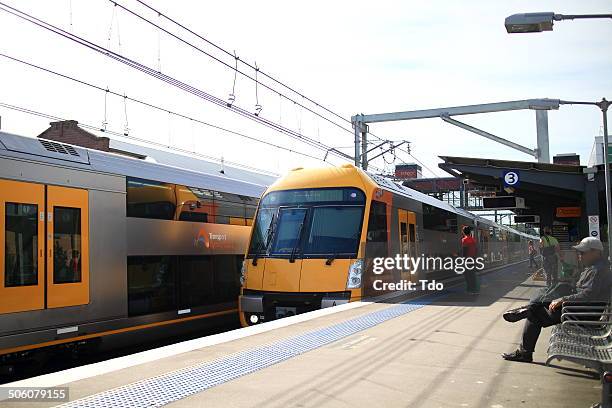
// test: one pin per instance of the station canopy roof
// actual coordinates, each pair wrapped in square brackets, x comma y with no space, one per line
[541,184]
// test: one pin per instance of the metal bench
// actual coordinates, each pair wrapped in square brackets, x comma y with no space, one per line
[585,337]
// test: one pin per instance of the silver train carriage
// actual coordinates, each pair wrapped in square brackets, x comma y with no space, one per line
[96,244]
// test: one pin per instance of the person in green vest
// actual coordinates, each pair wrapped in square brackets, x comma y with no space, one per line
[549,247]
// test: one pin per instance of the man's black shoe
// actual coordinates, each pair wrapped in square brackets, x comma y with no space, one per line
[518,355]
[514,315]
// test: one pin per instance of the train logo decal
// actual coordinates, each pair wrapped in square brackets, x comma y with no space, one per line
[201,239]
[212,240]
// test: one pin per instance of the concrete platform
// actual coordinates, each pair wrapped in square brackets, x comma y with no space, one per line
[444,352]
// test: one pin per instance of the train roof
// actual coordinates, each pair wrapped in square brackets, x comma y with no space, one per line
[386,183]
[244,182]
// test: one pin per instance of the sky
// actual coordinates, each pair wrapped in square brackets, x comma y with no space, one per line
[351,57]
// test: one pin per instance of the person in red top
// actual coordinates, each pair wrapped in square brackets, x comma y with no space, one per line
[469,249]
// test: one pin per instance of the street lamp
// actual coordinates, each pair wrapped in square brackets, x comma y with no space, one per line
[538,22]
[603,105]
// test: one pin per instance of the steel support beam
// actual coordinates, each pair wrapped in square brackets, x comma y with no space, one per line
[539,104]
[543,155]
[488,135]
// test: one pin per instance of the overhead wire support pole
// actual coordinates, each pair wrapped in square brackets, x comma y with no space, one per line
[359,128]
[603,105]
[364,147]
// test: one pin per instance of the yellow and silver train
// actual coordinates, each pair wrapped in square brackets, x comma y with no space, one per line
[94,244]
[318,230]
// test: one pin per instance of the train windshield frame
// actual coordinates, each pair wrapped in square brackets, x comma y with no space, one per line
[321,222]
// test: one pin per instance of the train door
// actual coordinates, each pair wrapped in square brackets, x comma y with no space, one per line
[22,234]
[407,236]
[44,243]
[67,247]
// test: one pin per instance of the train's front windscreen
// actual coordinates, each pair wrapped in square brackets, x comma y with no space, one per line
[308,223]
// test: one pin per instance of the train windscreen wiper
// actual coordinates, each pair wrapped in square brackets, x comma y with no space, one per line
[297,239]
[331,259]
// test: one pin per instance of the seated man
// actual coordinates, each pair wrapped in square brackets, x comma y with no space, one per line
[593,285]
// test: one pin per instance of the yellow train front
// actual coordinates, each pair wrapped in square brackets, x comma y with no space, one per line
[304,243]
[318,230]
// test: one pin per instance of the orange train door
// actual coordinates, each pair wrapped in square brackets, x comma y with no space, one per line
[407,237]
[67,247]
[22,234]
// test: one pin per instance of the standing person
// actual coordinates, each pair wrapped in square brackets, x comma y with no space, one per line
[593,285]
[549,247]
[469,250]
[532,255]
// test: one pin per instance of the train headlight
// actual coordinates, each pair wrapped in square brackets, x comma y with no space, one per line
[243,272]
[354,275]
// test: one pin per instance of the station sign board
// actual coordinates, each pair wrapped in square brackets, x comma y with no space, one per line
[503,203]
[568,212]
[526,219]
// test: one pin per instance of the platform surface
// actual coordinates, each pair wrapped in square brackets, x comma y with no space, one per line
[443,353]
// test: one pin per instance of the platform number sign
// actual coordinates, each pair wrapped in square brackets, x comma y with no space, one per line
[511,178]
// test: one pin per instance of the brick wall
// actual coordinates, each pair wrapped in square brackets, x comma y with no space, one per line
[69,132]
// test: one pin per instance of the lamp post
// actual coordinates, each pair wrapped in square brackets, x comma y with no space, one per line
[538,22]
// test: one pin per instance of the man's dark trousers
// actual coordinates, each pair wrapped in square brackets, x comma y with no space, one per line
[551,269]
[539,316]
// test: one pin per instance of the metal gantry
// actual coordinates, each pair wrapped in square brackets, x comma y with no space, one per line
[541,107]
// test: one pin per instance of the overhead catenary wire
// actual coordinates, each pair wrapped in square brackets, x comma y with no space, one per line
[152,106]
[166,78]
[137,139]
[233,55]
[227,65]
[218,47]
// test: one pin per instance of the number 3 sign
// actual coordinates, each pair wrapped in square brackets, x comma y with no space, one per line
[511,178]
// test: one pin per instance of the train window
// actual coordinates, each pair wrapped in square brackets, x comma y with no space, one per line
[150,199]
[21,245]
[195,204]
[66,245]
[437,219]
[377,224]
[288,230]
[196,281]
[262,231]
[230,208]
[151,285]
[250,211]
[193,216]
[334,230]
